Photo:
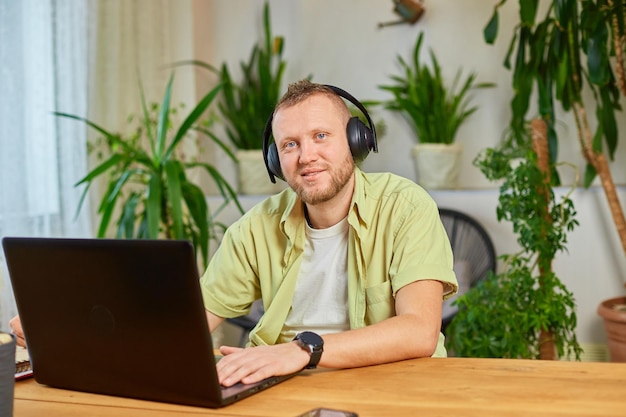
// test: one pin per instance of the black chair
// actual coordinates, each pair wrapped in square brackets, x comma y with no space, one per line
[474,257]
[474,254]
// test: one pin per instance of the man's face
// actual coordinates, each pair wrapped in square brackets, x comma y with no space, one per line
[313,148]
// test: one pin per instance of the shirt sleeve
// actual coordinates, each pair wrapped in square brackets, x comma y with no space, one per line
[422,249]
[229,285]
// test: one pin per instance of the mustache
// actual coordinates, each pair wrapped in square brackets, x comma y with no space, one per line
[304,169]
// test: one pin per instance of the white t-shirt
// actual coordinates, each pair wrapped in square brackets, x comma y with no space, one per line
[320,301]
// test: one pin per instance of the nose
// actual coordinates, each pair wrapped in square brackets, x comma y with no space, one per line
[308,152]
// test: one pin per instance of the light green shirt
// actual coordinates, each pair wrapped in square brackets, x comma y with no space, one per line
[395,238]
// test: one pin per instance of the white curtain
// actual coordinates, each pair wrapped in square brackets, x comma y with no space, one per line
[43,68]
[82,57]
[139,40]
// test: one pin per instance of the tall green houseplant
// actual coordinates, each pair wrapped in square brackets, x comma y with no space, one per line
[576,45]
[525,311]
[435,111]
[575,48]
[148,189]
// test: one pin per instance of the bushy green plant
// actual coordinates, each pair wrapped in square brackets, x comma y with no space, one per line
[502,316]
[434,110]
[506,314]
[147,184]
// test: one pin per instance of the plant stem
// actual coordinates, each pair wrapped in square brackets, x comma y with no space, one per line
[539,133]
[601,165]
[618,44]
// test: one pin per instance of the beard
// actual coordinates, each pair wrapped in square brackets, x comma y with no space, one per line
[339,177]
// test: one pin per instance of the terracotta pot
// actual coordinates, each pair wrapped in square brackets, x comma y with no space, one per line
[614,313]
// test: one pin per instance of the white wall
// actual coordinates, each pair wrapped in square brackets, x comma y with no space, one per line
[338,42]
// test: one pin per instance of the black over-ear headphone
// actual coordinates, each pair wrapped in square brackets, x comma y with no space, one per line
[361,138]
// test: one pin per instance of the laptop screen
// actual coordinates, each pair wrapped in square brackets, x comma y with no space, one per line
[120,317]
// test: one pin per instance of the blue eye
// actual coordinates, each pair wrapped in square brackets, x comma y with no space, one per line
[321,136]
[290,144]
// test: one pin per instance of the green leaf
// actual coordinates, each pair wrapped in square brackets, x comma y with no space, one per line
[146,117]
[217,141]
[224,187]
[173,173]
[81,201]
[597,57]
[528,11]
[606,117]
[198,209]
[490,32]
[200,64]
[114,139]
[106,211]
[126,224]
[509,52]
[193,116]
[106,133]
[153,205]
[163,123]
[103,167]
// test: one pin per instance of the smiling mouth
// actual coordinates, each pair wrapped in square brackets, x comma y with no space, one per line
[311,173]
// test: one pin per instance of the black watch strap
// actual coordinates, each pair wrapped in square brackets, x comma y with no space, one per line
[313,344]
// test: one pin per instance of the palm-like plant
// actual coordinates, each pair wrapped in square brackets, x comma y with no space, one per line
[148,185]
[434,111]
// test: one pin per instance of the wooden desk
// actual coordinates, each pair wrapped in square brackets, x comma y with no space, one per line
[421,387]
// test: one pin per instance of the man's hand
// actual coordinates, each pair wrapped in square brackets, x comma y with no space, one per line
[16,328]
[254,364]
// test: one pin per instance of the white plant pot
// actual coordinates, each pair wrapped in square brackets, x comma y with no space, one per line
[253,177]
[437,165]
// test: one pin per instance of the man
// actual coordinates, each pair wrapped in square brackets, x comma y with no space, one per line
[353,266]
[360,259]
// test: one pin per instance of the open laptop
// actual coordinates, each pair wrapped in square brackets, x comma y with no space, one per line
[118,317]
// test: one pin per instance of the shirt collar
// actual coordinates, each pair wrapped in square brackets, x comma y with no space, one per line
[358,214]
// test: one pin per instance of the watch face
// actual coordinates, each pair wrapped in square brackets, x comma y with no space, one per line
[312,339]
[313,344]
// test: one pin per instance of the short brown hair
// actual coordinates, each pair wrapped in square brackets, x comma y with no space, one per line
[301,90]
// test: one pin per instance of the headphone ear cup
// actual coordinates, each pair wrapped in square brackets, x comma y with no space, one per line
[360,139]
[273,163]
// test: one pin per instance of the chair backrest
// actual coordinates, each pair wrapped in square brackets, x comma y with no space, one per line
[474,257]
[473,250]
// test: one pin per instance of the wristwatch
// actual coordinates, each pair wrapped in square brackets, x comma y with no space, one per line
[313,344]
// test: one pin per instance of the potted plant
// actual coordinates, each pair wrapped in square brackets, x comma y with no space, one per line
[524,311]
[577,46]
[435,112]
[247,105]
[148,189]
[613,311]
